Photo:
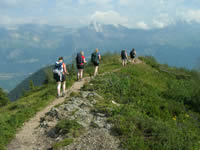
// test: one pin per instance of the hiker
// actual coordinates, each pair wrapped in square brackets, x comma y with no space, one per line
[80,61]
[133,55]
[124,57]
[60,71]
[95,58]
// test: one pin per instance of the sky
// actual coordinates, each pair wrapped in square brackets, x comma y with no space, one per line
[145,14]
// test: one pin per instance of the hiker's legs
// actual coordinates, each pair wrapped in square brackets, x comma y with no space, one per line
[132,60]
[58,88]
[81,73]
[123,62]
[96,70]
[64,86]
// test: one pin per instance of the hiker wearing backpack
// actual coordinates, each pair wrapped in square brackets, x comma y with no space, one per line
[80,61]
[59,73]
[133,55]
[124,57]
[95,59]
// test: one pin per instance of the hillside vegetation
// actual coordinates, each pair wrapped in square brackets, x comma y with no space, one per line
[158,105]
[13,115]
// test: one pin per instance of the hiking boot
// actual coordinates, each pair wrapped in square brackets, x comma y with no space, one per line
[63,95]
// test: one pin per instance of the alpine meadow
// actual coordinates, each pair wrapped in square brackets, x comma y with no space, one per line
[156,106]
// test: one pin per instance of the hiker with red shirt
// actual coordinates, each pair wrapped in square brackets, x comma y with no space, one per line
[80,61]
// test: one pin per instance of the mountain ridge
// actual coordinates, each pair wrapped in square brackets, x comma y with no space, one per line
[145,105]
[28,47]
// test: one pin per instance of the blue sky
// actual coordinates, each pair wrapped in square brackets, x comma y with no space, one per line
[144,14]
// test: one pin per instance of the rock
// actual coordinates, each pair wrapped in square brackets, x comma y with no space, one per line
[100,115]
[95,139]
[91,95]
[53,112]
[100,121]
[108,126]
[44,124]
[79,109]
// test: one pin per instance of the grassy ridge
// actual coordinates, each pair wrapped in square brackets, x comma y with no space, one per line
[13,115]
[159,106]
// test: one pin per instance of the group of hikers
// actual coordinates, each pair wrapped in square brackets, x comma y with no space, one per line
[124,56]
[60,71]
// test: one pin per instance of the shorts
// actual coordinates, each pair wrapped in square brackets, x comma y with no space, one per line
[132,57]
[57,77]
[124,58]
[96,64]
[80,66]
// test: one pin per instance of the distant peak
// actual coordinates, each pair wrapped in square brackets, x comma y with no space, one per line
[96,26]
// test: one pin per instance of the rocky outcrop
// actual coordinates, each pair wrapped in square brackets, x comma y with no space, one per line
[97,131]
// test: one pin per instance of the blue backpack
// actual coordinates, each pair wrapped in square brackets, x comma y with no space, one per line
[58,66]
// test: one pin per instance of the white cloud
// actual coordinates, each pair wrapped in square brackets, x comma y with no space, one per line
[102,2]
[192,15]
[109,17]
[162,21]
[142,25]
[76,13]
[158,24]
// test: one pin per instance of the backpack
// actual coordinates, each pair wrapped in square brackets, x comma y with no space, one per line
[58,69]
[95,58]
[132,53]
[79,59]
[123,54]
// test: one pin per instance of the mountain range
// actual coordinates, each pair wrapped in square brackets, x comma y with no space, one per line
[26,48]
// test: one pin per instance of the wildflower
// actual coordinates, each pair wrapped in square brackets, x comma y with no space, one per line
[174,118]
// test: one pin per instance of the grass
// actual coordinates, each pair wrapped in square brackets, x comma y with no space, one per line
[63,143]
[70,129]
[158,110]
[159,105]
[15,114]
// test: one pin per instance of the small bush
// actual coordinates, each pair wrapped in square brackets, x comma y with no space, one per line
[66,126]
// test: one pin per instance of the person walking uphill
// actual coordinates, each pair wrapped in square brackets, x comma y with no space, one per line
[80,61]
[124,57]
[95,58]
[59,73]
[133,55]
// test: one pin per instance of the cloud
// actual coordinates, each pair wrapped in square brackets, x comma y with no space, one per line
[76,13]
[192,15]
[162,21]
[109,17]
[97,2]
[142,25]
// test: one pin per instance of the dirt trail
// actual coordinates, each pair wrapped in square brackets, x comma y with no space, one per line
[29,135]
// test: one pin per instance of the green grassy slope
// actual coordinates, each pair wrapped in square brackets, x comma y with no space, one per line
[159,105]
[13,115]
